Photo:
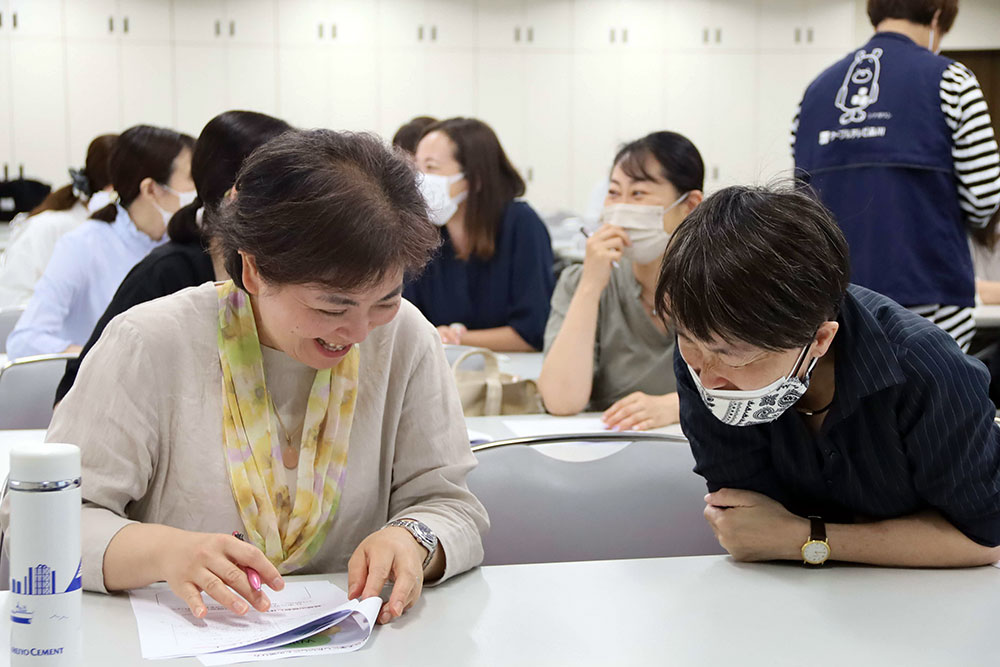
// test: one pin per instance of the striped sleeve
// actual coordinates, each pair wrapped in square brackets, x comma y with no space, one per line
[974,146]
[795,129]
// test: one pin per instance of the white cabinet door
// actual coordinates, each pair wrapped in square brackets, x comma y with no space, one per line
[302,22]
[548,87]
[93,20]
[7,156]
[734,24]
[402,23]
[252,78]
[352,22]
[782,25]
[148,82]
[501,24]
[688,86]
[976,26]
[783,81]
[641,95]
[304,85]
[198,21]
[402,87]
[549,25]
[733,109]
[594,121]
[146,21]
[830,24]
[354,89]
[93,91]
[501,97]
[200,77]
[450,82]
[689,24]
[645,24]
[452,24]
[39,109]
[36,18]
[250,22]
[595,24]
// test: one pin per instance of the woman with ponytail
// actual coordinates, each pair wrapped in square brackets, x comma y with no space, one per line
[34,239]
[151,172]
[190,258]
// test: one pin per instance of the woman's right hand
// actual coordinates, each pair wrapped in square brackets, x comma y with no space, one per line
[193,562]
[604,248]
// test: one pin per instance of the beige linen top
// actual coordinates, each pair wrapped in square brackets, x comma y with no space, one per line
[146,411]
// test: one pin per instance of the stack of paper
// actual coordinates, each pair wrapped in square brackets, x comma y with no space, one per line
[306,618]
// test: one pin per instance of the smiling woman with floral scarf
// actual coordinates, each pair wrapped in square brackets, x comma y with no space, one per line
[304,403]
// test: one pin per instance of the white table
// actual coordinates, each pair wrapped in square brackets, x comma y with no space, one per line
[525,365]
[987,317]
[700,611]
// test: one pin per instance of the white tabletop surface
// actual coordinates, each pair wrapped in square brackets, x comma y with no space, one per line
[987,317]
[705,610]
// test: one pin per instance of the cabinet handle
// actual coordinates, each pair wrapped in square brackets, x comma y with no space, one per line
[434,33]
[232,28]
[715,173]
[809,35]
[125,23]
[1,19]
[111,24]
[624,35]
[218,28]
[705,36]
[20,171]
[531,174]
[718,35]
[333,31]
[517,33]
[14,20]
[798,35]
[420,33]
[531,34]
[611,36]
[321,31]
[6,172]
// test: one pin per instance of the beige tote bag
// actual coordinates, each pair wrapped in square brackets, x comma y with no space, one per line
[488,392]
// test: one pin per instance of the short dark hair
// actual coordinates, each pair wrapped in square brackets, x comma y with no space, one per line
[680,162]
[141,152]
[337,209]
[408,135]
[493,180]
[761,265]
[221,148]
[915,11]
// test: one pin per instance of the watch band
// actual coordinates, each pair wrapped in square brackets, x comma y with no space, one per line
[817,529]
[424,536]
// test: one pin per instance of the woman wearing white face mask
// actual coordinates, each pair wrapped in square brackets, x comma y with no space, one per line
[151,172]
[604,345]
[490,283]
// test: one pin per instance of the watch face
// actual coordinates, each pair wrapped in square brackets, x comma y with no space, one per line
[815,552]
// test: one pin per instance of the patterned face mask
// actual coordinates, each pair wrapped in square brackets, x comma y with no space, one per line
[757,406]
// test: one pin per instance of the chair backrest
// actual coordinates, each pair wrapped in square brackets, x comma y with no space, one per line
[28,388]
[8,320]
[643,501]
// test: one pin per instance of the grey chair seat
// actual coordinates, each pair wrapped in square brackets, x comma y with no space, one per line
[28,389]
[643,501]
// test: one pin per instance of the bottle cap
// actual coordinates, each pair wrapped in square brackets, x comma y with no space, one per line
[46,462]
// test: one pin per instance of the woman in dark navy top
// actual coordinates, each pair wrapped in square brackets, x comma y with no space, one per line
[492,279]
[186,261]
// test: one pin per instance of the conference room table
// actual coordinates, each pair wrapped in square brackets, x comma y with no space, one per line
[707,610]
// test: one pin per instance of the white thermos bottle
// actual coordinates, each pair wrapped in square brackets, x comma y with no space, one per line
[45,584]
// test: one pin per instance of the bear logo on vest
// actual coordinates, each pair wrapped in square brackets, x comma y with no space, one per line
[860,88]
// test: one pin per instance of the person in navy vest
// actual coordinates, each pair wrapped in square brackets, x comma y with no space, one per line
[827,420]
[897,141]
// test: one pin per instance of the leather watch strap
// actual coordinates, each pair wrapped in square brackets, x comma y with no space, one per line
[817,529]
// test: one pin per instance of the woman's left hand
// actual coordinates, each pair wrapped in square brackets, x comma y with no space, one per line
[389,554]
[640,412]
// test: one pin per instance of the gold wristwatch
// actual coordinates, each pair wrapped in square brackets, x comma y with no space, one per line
[816,550]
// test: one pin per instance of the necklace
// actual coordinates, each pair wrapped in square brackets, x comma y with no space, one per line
[289,454]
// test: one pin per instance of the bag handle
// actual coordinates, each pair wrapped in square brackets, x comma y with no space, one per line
[490,364]
[491,377]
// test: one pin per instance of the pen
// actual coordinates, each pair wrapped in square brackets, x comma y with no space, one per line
[252,576]
[586,235]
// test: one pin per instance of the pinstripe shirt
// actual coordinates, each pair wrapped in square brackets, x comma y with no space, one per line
[911,428]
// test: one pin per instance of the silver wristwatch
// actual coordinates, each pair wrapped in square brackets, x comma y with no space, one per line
[424,536]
